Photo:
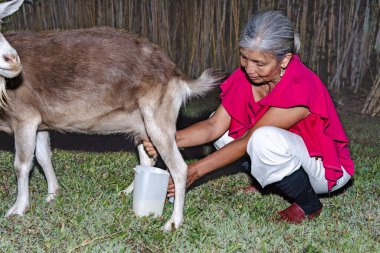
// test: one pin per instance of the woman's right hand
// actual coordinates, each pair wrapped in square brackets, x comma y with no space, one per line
[149,148]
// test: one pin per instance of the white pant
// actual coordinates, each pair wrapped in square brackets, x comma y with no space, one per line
[276,153]
[222,141]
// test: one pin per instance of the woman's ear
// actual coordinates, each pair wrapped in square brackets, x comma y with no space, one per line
[285,61]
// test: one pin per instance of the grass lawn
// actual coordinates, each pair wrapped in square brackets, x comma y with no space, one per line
[89,216]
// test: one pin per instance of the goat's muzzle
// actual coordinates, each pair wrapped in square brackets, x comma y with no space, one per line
[11,65]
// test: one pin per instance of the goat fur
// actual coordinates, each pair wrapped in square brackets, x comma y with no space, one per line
[95,81]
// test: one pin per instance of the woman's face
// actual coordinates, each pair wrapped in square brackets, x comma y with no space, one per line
[261,68]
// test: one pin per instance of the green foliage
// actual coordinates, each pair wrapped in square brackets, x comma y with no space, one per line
[90,216]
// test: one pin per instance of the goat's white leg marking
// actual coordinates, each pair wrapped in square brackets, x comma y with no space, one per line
[164,141]
[144,160]
[43,155]
[25,142]
[178,170]
[144,157]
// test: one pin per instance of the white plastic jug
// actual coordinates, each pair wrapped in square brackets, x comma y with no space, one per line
[149,190]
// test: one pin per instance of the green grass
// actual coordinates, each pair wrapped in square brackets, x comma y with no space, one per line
[89,216]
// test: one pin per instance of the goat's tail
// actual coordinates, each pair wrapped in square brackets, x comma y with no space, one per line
[203,84]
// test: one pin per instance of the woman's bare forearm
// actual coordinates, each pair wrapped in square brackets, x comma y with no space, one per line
[205,131]
[224,156]
[282,118]
[194,135]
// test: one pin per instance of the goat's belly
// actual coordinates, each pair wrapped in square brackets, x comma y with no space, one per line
[107,123]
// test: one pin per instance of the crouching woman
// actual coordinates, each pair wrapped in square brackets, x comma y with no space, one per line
[280,113]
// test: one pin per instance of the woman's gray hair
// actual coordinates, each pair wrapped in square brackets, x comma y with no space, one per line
[272,32]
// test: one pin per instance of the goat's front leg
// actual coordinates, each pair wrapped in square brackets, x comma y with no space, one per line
[43,155]
[25,142]
[144,160]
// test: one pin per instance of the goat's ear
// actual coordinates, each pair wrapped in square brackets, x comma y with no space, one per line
[8,8]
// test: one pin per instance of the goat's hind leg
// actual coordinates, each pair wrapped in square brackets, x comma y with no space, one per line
[43,155]
[164,141]
[25,142]
[144,160]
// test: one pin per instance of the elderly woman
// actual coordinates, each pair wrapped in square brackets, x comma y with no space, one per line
[280,113]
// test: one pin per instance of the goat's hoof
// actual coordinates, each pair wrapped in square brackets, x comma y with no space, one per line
[17,210]
[50,197]
[127,191]
[172,224]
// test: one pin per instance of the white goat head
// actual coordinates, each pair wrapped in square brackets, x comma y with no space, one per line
[10,65]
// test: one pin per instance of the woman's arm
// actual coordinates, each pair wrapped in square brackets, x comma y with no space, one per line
[200,133]
[278,117]
[204,131]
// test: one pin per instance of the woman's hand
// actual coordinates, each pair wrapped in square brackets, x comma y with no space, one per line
[192,175]
[149,148]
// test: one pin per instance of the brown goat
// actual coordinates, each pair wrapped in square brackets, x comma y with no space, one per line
[97,81]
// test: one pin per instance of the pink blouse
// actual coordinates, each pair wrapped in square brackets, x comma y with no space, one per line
[321,131]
